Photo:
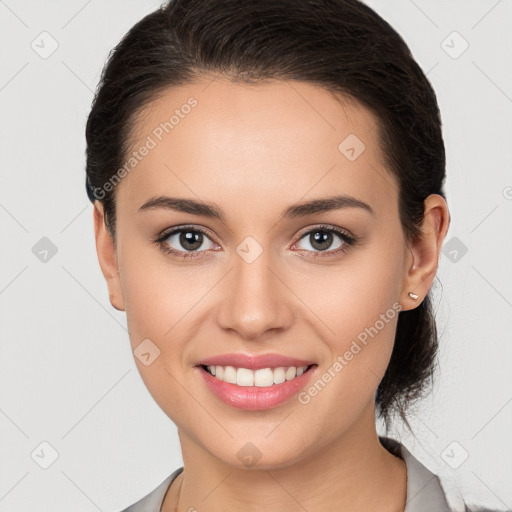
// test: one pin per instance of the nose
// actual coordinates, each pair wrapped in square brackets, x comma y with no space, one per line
[256,301]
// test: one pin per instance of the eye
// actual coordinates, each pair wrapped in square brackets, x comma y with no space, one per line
[189,242]
[185,242]
[322,238]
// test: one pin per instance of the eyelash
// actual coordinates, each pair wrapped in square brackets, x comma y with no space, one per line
[349,241]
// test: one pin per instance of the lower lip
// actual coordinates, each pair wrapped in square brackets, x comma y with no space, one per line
[255,398]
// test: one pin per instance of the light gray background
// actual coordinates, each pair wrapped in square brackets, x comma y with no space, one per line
[67,375]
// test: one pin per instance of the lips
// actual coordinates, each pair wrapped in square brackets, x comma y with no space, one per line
[254,362]
[265,394]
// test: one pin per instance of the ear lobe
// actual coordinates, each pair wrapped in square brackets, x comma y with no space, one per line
[107,257]
[425,250]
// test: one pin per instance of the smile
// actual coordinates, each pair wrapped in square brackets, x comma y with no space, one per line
[258,389]
[263,377]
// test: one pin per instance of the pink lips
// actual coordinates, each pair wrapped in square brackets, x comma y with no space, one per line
[255,397]
[253,362]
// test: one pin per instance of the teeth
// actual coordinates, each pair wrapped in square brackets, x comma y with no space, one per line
[290,373]
[279,375]
[263,377]
[244,377]
[229,375]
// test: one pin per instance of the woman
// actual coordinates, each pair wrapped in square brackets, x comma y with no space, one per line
[267,179]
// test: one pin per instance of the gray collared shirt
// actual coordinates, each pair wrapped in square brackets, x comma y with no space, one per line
[424,490]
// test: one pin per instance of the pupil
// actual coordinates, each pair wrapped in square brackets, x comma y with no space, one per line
[322,238]
[192,238]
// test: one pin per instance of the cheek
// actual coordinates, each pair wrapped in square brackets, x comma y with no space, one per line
[356,307]
[156,295]
[352,296]
[156,310]
[359,354]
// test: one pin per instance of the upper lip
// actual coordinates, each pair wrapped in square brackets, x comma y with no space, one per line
[253,362]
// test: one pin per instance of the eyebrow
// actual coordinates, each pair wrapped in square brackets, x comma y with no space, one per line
[296,210]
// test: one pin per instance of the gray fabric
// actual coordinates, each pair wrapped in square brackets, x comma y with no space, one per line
[424,490]
[153,501]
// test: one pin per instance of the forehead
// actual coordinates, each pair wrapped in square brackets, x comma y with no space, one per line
[264,144]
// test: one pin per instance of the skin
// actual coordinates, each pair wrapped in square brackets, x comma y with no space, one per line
[255,150]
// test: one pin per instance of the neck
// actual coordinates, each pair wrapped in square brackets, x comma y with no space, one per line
[354,472]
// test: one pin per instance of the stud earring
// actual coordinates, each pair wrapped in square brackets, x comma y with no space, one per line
[413,296]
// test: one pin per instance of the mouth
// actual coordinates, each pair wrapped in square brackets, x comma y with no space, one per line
[263,377]
[255,389]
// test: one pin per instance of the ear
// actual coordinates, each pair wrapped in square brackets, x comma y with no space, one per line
[107,257]
[425,250]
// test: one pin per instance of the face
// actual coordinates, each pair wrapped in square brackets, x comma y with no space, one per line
[255,274]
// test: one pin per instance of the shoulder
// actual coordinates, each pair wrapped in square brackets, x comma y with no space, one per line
[426,492]
[152,502]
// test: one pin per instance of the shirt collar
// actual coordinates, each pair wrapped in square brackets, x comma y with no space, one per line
[424,490]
